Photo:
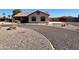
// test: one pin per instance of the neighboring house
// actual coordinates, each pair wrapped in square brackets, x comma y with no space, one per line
[32,17]
[58,19]
[64,19]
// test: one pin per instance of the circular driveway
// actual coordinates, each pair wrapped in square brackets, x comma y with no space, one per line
[61,39]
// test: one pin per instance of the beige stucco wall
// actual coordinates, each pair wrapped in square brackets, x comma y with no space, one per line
[38,19]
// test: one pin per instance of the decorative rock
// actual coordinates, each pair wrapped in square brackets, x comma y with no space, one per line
[63,25]
[11,28]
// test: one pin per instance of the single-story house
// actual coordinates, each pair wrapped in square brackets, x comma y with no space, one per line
[32,17]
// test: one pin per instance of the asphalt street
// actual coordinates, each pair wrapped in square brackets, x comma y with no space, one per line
[61,39]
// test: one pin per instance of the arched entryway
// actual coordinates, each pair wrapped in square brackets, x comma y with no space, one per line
[24,20]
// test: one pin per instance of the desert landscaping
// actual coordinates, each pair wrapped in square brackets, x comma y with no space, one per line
[37,31]
[33,36]
[14,37]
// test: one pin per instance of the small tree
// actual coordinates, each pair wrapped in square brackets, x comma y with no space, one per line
[15,11]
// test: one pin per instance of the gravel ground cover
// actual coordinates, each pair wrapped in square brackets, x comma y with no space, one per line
[23,39]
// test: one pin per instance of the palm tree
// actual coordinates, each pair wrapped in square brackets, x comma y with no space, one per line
[4,16]
[3,13]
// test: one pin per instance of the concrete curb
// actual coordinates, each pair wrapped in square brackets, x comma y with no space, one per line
[44,37]
[49,42]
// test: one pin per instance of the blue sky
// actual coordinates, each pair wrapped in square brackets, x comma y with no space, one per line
[52,12]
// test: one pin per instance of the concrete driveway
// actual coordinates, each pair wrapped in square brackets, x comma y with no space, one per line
[61,39]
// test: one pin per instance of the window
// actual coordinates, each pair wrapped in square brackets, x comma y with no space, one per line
[42,18]
[33,18]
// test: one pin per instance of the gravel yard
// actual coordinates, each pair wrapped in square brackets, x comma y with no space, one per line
[23,39]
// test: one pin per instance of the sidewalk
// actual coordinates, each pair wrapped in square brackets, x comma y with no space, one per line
[71,27]
[66,26]
[6,23]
